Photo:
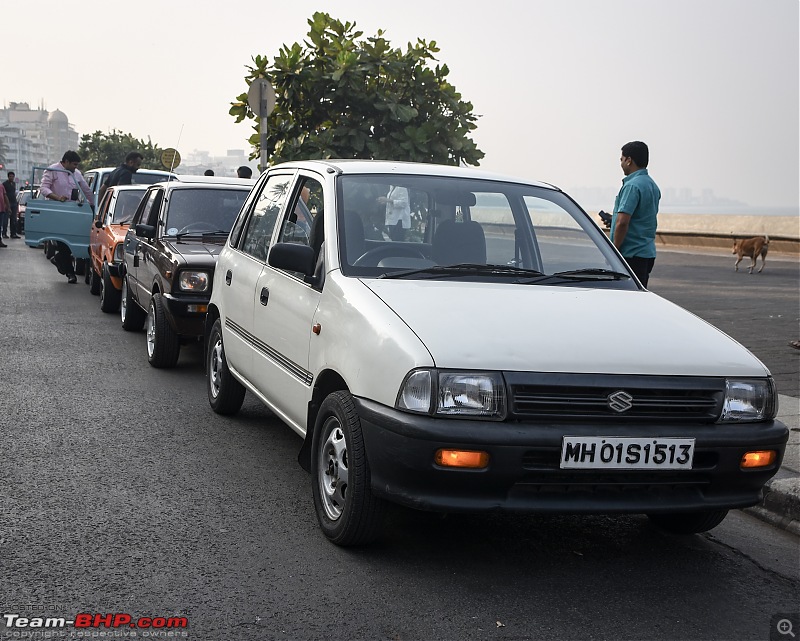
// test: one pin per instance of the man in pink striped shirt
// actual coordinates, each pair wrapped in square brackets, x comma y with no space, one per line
[58,182]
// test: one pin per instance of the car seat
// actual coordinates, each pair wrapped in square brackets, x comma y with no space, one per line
[455,243]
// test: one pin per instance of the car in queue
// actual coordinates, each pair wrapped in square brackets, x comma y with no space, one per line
[95,177]
[24,194]
[428,340]
[170,252]
[106,242]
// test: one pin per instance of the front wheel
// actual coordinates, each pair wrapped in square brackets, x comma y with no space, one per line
[95,284]
[163,343]
[109,295]
[347,511]
[688,522]
[225,393]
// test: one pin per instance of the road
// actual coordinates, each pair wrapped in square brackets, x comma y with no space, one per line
[121,492]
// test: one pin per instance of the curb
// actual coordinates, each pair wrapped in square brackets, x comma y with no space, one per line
[781,505]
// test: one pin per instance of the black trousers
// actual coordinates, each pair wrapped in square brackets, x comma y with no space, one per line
[641,267]
[63,259]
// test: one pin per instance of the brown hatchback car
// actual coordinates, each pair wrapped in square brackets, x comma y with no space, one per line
[106,238]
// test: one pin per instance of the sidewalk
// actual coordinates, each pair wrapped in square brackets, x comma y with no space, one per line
[781,505]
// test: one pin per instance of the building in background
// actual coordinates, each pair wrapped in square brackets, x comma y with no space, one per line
[197,161]
[33,137]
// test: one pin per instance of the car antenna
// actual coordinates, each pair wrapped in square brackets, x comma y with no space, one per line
[172,164]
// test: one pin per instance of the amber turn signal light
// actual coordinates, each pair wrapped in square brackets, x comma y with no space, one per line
[760,458]
[461,458]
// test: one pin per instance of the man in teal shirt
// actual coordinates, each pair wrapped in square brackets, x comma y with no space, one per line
[633,226]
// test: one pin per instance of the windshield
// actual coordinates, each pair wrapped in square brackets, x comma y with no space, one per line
[420,227]
[125,205]
[198,211]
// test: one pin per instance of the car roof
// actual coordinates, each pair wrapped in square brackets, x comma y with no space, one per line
[179,183]
[136,187]
[216,180]
[354,166]
[138,171]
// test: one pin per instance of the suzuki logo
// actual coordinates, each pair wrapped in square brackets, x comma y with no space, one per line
[620,401]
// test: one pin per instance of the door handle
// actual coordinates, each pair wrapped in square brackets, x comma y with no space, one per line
[264,297]
[228,276]
[35,211]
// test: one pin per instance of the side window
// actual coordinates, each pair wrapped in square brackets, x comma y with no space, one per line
[148,209]
[257,236]
[298,223]
[102,210]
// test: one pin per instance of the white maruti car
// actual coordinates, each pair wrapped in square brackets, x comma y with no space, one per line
[427,331]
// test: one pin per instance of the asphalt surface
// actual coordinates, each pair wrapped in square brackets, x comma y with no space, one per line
[120,491]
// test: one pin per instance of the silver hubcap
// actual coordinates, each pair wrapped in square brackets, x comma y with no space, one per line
[215,368]
[123,306]
[151,330]
[333,472]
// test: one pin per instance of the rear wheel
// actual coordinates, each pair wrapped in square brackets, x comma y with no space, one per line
[95,284]
[225,393]
[131,314]
[109,295]
[688,522]
[347,511]
[163,343]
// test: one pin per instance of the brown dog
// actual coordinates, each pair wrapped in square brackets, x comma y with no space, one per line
[752,248]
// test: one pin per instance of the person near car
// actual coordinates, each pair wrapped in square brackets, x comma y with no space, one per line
[10,186]
[58,183]
[244,172]
[122,175]
[633,225]
[398,212]
[6,206]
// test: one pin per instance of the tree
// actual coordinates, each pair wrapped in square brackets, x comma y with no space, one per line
[341,96]
[109,150]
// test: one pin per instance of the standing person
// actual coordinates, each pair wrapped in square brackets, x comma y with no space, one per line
[11,192]
[122,175]
[398,212]
[244,172]
[5,205]
[633,226]
[58,183]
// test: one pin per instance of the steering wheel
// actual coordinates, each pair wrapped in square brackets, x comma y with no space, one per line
[198,226]
[372,257]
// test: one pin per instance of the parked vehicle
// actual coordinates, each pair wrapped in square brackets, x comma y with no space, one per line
[23,195]
[95,177]
[106,240]
[170,252]
[430,341]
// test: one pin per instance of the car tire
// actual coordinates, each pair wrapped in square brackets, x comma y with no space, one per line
[110,296]
[95,284]
[225,393]
[131,314]
[49,249]
[347,511]
[163,343]
[688,522]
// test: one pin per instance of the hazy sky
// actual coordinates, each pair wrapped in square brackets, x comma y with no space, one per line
[710,85]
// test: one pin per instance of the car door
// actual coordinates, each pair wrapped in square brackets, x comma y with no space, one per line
[138,248]
[95,234]
[240,266]
[284,312]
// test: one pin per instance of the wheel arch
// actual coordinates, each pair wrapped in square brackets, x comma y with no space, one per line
[327,382]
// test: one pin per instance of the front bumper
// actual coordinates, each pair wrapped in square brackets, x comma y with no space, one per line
[187,312]
[524,474]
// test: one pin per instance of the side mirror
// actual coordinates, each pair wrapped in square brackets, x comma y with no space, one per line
[292,257]
[98,224]
[148,231]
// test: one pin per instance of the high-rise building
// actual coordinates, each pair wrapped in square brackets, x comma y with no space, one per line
[33,137]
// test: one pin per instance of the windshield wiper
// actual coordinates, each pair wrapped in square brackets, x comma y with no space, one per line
[591,273]
[461,269]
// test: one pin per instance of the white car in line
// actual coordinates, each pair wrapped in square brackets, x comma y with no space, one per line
[423,328]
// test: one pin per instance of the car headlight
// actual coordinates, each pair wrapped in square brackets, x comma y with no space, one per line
[119,253]
[749,399]
[456,394]
[194,281]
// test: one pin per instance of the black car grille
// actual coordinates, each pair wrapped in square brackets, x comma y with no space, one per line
[586,397]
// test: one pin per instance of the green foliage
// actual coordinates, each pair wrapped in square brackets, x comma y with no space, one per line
[109,150]
[341,96]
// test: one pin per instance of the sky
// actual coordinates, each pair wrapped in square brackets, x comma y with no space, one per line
[710,85]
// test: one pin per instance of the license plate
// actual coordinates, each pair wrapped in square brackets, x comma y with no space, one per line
[618,453]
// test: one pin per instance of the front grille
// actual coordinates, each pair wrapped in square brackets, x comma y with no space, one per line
[536,396]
